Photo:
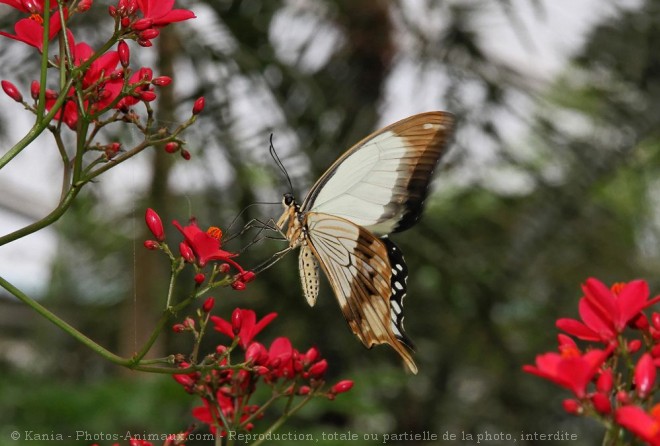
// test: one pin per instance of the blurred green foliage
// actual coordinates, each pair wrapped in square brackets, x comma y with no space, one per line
[499,255]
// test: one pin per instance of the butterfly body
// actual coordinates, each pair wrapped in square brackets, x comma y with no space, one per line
[376,188]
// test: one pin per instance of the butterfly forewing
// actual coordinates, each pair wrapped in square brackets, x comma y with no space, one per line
[358,267]
[381,182]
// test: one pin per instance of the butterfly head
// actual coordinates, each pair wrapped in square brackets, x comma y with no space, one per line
[287,200]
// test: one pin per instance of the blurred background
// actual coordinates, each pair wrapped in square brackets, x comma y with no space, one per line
[551,179]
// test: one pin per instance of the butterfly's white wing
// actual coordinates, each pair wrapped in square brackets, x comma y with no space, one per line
[382,181]
[367,276]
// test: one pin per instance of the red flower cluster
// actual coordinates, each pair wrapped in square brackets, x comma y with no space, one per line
[104,85]
[607,383]
[199,248]
[143,18]
[227,390]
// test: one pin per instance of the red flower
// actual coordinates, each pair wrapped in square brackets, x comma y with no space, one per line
[31,30]
[29,6]
[645,425]
[605,312]
[160,12]
[569,368]
[280,358]
[205,245]
[209,412]
[249,327]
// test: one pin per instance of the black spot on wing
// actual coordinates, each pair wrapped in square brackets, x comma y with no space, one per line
[398,288]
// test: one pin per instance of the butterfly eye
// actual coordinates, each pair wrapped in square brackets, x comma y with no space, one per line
[287,200]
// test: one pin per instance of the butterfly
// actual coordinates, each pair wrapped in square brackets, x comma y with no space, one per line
[374,189]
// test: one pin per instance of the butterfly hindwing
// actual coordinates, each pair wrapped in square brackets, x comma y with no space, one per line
[358,268]
[399,287]
[382,181]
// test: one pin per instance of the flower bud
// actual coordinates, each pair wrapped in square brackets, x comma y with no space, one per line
[142,24]
[186,252]
[184,380]
[125,22]
[236,320]
[208,304]
[154,224]
[12,91]
[151,245]
[198,106]
[605,381]
[623,398]
[178,328]
[199,278]
[317,370]
[601,403]
[112,149]
[246,276]
[634,345]
[640,322]
[171,147]
[655,351]
[189,323]
[304,390]
[34,90]
[238,285]
[149,34]
[84,5]
[147,96]
[311,355]
[224,268]
[144,43]
[261,370]
[342,386]
[221,349]
[112,11]
[644,375]
[124,53]
[162,81]
[572,406]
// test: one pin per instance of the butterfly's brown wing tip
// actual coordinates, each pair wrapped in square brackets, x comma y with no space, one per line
[406,355]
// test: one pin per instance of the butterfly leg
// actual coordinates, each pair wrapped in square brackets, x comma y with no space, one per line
[272,261]
[268,225]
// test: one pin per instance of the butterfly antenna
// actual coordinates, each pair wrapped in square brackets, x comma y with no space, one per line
[273,154]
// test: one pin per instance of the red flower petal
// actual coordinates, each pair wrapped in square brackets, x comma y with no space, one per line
[637,421]
[577,329]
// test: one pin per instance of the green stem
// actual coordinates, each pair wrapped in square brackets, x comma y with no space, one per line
[47,220]
[198,341]
[143,366]
[36,306]
[41,106]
